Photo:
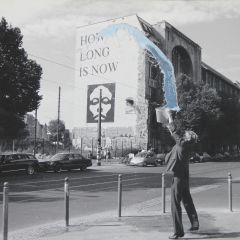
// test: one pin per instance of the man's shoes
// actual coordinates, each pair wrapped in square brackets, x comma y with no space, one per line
[176,236]
[193,228]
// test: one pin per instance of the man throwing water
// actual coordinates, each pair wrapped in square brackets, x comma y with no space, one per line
[178,162]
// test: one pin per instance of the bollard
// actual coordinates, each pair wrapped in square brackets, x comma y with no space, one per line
[163,194]
[66,201]
[119,195]
[230,191]
[5,211]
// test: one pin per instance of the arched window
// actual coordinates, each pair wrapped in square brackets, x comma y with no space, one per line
[181,62]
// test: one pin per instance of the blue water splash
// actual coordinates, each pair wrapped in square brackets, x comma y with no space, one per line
[166,67]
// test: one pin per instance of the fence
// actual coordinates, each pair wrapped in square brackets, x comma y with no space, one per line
[106,182]
[118,147]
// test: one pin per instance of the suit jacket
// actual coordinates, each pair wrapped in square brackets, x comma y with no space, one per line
[177,159]
[171,159]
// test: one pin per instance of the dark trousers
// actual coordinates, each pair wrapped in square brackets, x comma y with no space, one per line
[180,192]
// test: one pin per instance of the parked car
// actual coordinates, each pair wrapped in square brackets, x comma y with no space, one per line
[218,157]
[195,158]
[205,157]
[143,159]
[68,161]
[19,161]
[161,158]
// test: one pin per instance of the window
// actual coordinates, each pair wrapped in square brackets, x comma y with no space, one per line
[204,76]
[77,156]
[168,34]
[16,157]
[220,85]
[1,158]
[211,80]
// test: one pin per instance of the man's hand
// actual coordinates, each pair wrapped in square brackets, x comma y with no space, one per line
[171,127]
[170,115]
[170,124]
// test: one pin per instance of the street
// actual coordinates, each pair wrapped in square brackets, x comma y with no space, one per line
[40,199]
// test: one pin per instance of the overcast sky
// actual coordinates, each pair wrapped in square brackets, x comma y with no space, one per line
[49,29]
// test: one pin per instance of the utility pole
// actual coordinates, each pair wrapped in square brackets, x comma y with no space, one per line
[58,120]
[81,145]
[13,146]
[92,146]
[99,129]
[35,133]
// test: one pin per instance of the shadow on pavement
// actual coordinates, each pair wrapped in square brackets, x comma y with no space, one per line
[212,235]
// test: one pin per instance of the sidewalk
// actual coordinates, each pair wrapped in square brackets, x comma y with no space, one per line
[142,222]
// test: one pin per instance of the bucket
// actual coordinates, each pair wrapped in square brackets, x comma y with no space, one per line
[162,115]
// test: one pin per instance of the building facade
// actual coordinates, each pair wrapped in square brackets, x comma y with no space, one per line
[131,82]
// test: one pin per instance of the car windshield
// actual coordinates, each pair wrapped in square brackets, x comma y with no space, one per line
[59,157]
[1,158]
[30,156]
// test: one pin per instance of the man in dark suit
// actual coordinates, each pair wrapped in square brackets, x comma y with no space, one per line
[178,162]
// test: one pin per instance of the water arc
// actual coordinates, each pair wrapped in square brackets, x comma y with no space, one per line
[166,67]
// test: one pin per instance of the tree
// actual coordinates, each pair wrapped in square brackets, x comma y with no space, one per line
[67,140]
[230,121]
[19,82]
[54,128]
[200,108]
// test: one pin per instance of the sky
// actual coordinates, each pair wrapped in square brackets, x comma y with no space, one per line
[49,30]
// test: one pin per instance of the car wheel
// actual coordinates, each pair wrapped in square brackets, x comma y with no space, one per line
[30,170]
[57,169]
[144,164]
[83,168]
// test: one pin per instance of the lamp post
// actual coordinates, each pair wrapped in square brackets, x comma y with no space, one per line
[58,119]
[99,129]
[35,133]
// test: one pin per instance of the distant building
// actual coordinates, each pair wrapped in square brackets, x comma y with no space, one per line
[221,83]
[131,82]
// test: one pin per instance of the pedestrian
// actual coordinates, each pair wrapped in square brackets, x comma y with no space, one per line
[107,155]
[178,162]
[90,155]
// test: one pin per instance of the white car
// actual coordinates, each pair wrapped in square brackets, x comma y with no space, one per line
[144,159]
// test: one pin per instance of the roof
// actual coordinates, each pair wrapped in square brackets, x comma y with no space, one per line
[107,20]
[207,67]
[178,32]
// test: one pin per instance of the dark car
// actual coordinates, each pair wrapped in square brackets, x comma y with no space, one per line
[161,158]
[19,161]
[68,161]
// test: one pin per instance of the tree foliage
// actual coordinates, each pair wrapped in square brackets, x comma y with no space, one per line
[54,128]
[214,116]
[19,82]
[200,107]
[230,121]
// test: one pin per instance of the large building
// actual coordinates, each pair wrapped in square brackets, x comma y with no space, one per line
[131,82]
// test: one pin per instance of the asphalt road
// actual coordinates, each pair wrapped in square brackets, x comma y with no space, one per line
[40,199]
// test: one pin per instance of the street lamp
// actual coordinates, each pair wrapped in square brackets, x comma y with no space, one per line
[99,129]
